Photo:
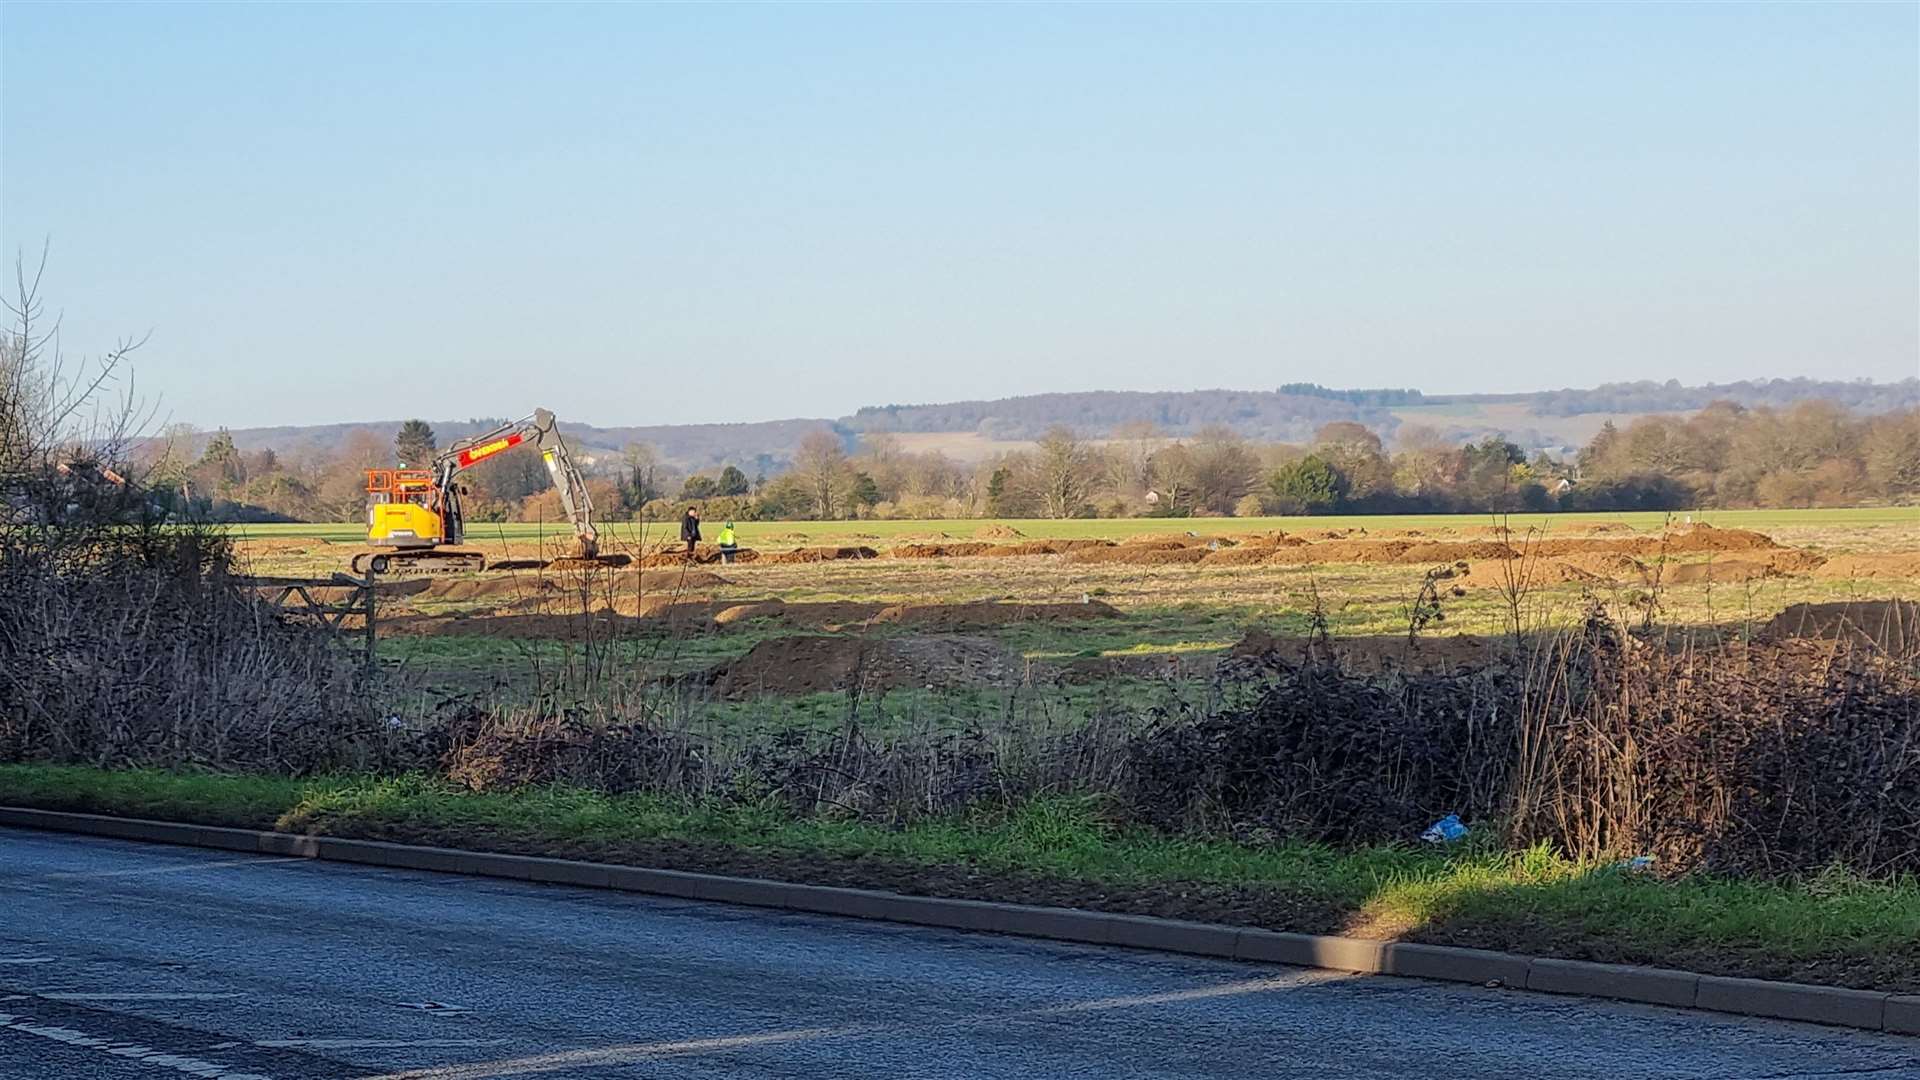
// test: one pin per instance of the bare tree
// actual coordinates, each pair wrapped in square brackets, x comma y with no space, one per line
[1224,469]
[1173,476]
[1063,469]
[46,402]
[1130,457]
[821,463]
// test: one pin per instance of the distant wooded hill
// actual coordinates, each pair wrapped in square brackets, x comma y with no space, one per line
[1291,413]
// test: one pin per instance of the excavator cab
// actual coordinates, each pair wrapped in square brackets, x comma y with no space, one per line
[404,510]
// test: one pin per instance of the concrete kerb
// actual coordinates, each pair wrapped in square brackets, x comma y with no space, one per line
[1654,986]
[1657,986]
[1903,1014]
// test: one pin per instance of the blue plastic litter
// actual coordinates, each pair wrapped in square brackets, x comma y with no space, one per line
[1445,831]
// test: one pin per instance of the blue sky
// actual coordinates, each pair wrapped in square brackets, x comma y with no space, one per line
[660,214]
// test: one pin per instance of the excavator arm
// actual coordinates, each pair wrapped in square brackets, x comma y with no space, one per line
[538,429]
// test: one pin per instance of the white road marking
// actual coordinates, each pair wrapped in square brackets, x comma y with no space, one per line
[571,1060]
[376,1044]
[118,996]
[26,960]
[146,1055]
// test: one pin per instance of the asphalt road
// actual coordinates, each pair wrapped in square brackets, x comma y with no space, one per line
[121,960]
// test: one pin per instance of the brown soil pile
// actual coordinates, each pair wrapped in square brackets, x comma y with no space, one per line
[820,554]
[970,548]
[1707,538]
[1138,555]
[951,550]
[1347,551]
[1267,539]
[702,553]
[812,665]
[1889,625]
[948,617]
[1159,542]
[998,532]
[1795,560]
[1444,552]
[1903,565]
[1556,547]
[1045,547]
[1718,572]
[1239,556]
[1523,574]
[821,615]
[1602,564]
[1701,539]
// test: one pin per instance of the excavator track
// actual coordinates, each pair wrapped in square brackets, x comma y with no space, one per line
[405,563]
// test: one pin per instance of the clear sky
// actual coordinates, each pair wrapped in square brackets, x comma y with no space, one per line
[662,214]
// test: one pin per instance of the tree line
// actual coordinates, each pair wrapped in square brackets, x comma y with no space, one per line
[1726,455]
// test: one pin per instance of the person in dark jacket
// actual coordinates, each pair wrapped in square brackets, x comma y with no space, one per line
[690,528]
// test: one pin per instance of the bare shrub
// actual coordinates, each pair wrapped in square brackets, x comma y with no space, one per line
[1330,756]
[134,646]
[1751,758]
[124,641]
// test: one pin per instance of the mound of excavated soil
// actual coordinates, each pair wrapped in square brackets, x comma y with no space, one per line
[812,665]
[1158,542]
[819,554]
[1705,537]
[1343,551]
[946,617]
[1904,565]
[702,553]
[817,615]
[1456,551]
[1250,555]
[1890,625]
[950,550]
[1602,564]
[1520,573]
[1138,555]
[1266,539]
[1719,571]
[998,532]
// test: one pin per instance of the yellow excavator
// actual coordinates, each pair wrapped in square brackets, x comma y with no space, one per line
[414,514]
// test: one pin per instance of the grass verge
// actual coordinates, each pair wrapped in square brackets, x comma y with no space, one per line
[1831,929]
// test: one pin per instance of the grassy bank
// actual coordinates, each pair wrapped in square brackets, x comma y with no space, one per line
[1830,928]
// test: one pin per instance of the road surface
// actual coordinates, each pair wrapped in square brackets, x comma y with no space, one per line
[122,960]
